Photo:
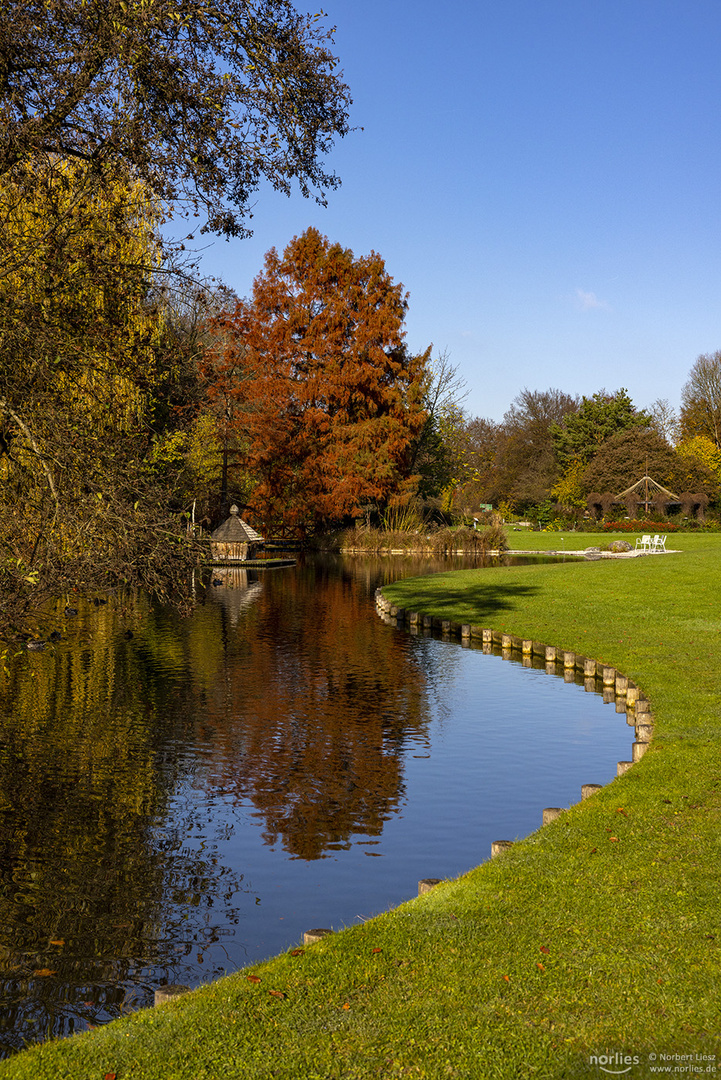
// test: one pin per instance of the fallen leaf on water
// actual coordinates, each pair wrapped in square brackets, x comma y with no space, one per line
[44,971]
[254,978]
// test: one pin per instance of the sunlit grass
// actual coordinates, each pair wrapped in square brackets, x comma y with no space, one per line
[598,934]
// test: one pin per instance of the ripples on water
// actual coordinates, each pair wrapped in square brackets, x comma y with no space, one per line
[178,803]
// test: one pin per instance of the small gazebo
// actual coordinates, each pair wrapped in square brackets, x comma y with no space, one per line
[234,541]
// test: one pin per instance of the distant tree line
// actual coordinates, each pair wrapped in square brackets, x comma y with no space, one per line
[554,455]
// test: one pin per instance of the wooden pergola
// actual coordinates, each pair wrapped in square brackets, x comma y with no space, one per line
[647,491]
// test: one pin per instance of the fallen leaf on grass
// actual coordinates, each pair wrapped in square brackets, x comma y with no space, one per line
[621,810]
[376,950]
[56,941]
[277,993]
[613,839]
[540,966]
[507,978]
[545,948]
[297,952]
[44,971]
[346,1005]
[254,978]
[110,1076]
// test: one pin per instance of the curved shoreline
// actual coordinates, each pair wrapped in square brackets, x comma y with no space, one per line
[591,939]
[637,707]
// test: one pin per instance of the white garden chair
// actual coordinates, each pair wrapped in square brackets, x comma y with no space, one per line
[658,543]
[643,543]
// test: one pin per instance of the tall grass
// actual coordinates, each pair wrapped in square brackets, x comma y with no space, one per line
[443,541]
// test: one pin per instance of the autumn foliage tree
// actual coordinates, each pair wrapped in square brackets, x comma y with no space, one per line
[330,399]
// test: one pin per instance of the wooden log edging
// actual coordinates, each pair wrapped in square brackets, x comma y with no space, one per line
[616,687]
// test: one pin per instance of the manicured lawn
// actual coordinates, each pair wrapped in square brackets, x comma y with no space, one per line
[599,936]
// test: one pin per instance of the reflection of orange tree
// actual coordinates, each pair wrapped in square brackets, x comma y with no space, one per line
[311,731]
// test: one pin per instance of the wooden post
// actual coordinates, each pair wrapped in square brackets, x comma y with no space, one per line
[587,790]
[169,993]
[499,846]
[551,813]
[638,749]
[569,659]
[644,732]
[526,646]
[623,767]
[550,654]
[426,884]
[589,669]
[311,936]
[609,676]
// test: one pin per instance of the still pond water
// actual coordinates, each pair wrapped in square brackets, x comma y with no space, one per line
[182,797]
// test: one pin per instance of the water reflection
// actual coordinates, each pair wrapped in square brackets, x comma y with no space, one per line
[178,797]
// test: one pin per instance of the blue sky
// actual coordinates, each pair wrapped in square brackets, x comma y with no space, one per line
[544,178]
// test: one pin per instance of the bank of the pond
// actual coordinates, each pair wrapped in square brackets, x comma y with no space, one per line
[591,947]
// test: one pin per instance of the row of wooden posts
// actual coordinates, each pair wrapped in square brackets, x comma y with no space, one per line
[615,687]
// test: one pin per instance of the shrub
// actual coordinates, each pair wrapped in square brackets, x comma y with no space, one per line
[640,526]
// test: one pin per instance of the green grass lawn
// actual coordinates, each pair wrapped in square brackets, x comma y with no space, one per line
[585,949]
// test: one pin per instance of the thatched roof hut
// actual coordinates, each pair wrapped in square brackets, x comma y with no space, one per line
[234,540]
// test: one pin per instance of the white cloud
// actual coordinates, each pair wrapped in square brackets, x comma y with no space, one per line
[587,301]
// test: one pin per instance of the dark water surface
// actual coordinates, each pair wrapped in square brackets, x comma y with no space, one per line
[181,797]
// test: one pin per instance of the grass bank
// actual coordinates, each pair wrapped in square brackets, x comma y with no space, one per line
[589,949]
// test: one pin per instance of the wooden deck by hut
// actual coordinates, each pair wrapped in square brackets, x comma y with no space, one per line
[234,541]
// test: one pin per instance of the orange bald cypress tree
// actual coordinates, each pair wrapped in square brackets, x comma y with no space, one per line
[331,399]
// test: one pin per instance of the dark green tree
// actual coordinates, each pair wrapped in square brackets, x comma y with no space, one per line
[630,455]
[580,435]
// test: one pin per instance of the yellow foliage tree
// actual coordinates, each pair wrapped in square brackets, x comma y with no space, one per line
[703,449]
[568,490]
[87,366]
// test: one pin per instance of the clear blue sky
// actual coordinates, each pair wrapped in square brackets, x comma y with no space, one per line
[544,177]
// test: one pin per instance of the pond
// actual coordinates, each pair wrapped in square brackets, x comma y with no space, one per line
[182,797]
